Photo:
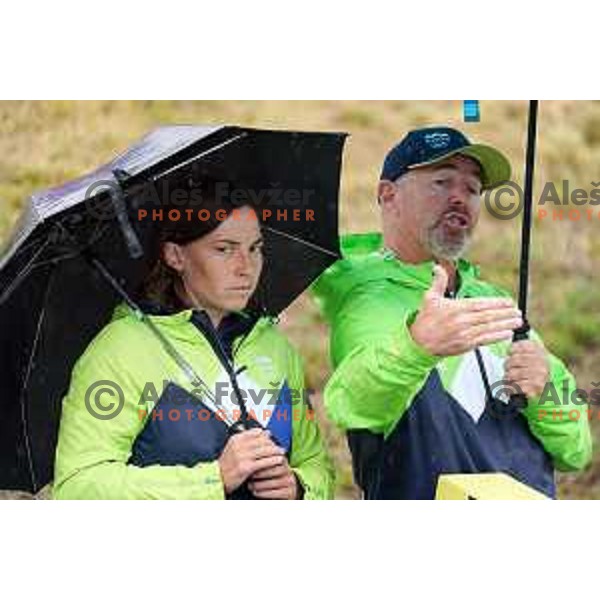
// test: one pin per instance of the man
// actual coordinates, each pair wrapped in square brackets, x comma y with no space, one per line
[420,343]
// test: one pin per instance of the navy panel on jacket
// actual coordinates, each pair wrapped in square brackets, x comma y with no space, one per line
[189,437]
[437,436]
[186,440]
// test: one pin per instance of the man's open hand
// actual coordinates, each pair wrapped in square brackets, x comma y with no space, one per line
[447,327]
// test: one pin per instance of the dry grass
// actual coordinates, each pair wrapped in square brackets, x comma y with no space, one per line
[45,143]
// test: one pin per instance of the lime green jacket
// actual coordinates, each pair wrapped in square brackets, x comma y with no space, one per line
[92,456]
[369,299]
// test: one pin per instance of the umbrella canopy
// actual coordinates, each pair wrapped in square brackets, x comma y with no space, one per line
[52,302]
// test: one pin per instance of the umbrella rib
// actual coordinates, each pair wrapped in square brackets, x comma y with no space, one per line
[199,156]
[26,246]
[21,276]
[40,322]
[69,255]
[57,259]
[95,236]
[302,241]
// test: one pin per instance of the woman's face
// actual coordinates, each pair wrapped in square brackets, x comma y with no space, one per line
[220,271]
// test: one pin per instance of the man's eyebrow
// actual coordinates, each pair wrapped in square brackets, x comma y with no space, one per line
[475,173]
[445,166]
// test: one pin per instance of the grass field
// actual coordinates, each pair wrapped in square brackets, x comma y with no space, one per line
[46,143]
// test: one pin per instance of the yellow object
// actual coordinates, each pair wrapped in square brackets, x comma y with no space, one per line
[485,486]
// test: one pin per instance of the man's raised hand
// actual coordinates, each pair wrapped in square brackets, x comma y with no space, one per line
[447,327]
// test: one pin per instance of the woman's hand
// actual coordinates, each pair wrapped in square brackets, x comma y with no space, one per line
[247,453]
[275,483]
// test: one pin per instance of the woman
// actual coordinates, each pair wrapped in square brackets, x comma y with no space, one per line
[159,436]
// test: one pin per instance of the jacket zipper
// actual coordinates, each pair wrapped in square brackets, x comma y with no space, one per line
[212,337]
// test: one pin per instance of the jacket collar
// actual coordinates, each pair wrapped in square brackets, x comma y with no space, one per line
[367,249]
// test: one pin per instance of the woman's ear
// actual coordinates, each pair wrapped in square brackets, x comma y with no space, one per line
[173,256]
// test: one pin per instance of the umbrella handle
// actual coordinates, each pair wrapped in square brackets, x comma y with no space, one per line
[519,401]
[244,425]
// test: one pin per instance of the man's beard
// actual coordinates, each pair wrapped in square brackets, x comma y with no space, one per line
[445,246]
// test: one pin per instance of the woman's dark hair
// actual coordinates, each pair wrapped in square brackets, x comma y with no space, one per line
[210,205]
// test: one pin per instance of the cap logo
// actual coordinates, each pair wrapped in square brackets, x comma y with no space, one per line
[437,140]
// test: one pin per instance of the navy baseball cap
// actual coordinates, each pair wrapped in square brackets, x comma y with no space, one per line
[428,146]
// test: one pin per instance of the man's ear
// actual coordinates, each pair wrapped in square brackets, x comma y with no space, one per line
[386,191]
[173,256]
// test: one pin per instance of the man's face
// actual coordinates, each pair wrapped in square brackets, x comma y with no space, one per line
[438,206]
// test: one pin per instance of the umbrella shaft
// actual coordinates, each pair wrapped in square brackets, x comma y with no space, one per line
[527,207]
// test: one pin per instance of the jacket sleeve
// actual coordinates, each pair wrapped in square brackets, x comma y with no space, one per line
[560,421]
[92,453]
[309,458]
[379,368]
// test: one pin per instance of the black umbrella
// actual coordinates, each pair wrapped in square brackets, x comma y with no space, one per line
[519,400]
[81,248]
[523,332]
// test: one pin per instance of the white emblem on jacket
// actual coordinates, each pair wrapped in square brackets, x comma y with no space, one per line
[467,385]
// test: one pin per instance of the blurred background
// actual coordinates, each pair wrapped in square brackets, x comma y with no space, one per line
[46,143]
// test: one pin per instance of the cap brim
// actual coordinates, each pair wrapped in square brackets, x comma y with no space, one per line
[495,168]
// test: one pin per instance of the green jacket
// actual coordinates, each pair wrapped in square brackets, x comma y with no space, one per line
[369,299]
[92,456]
